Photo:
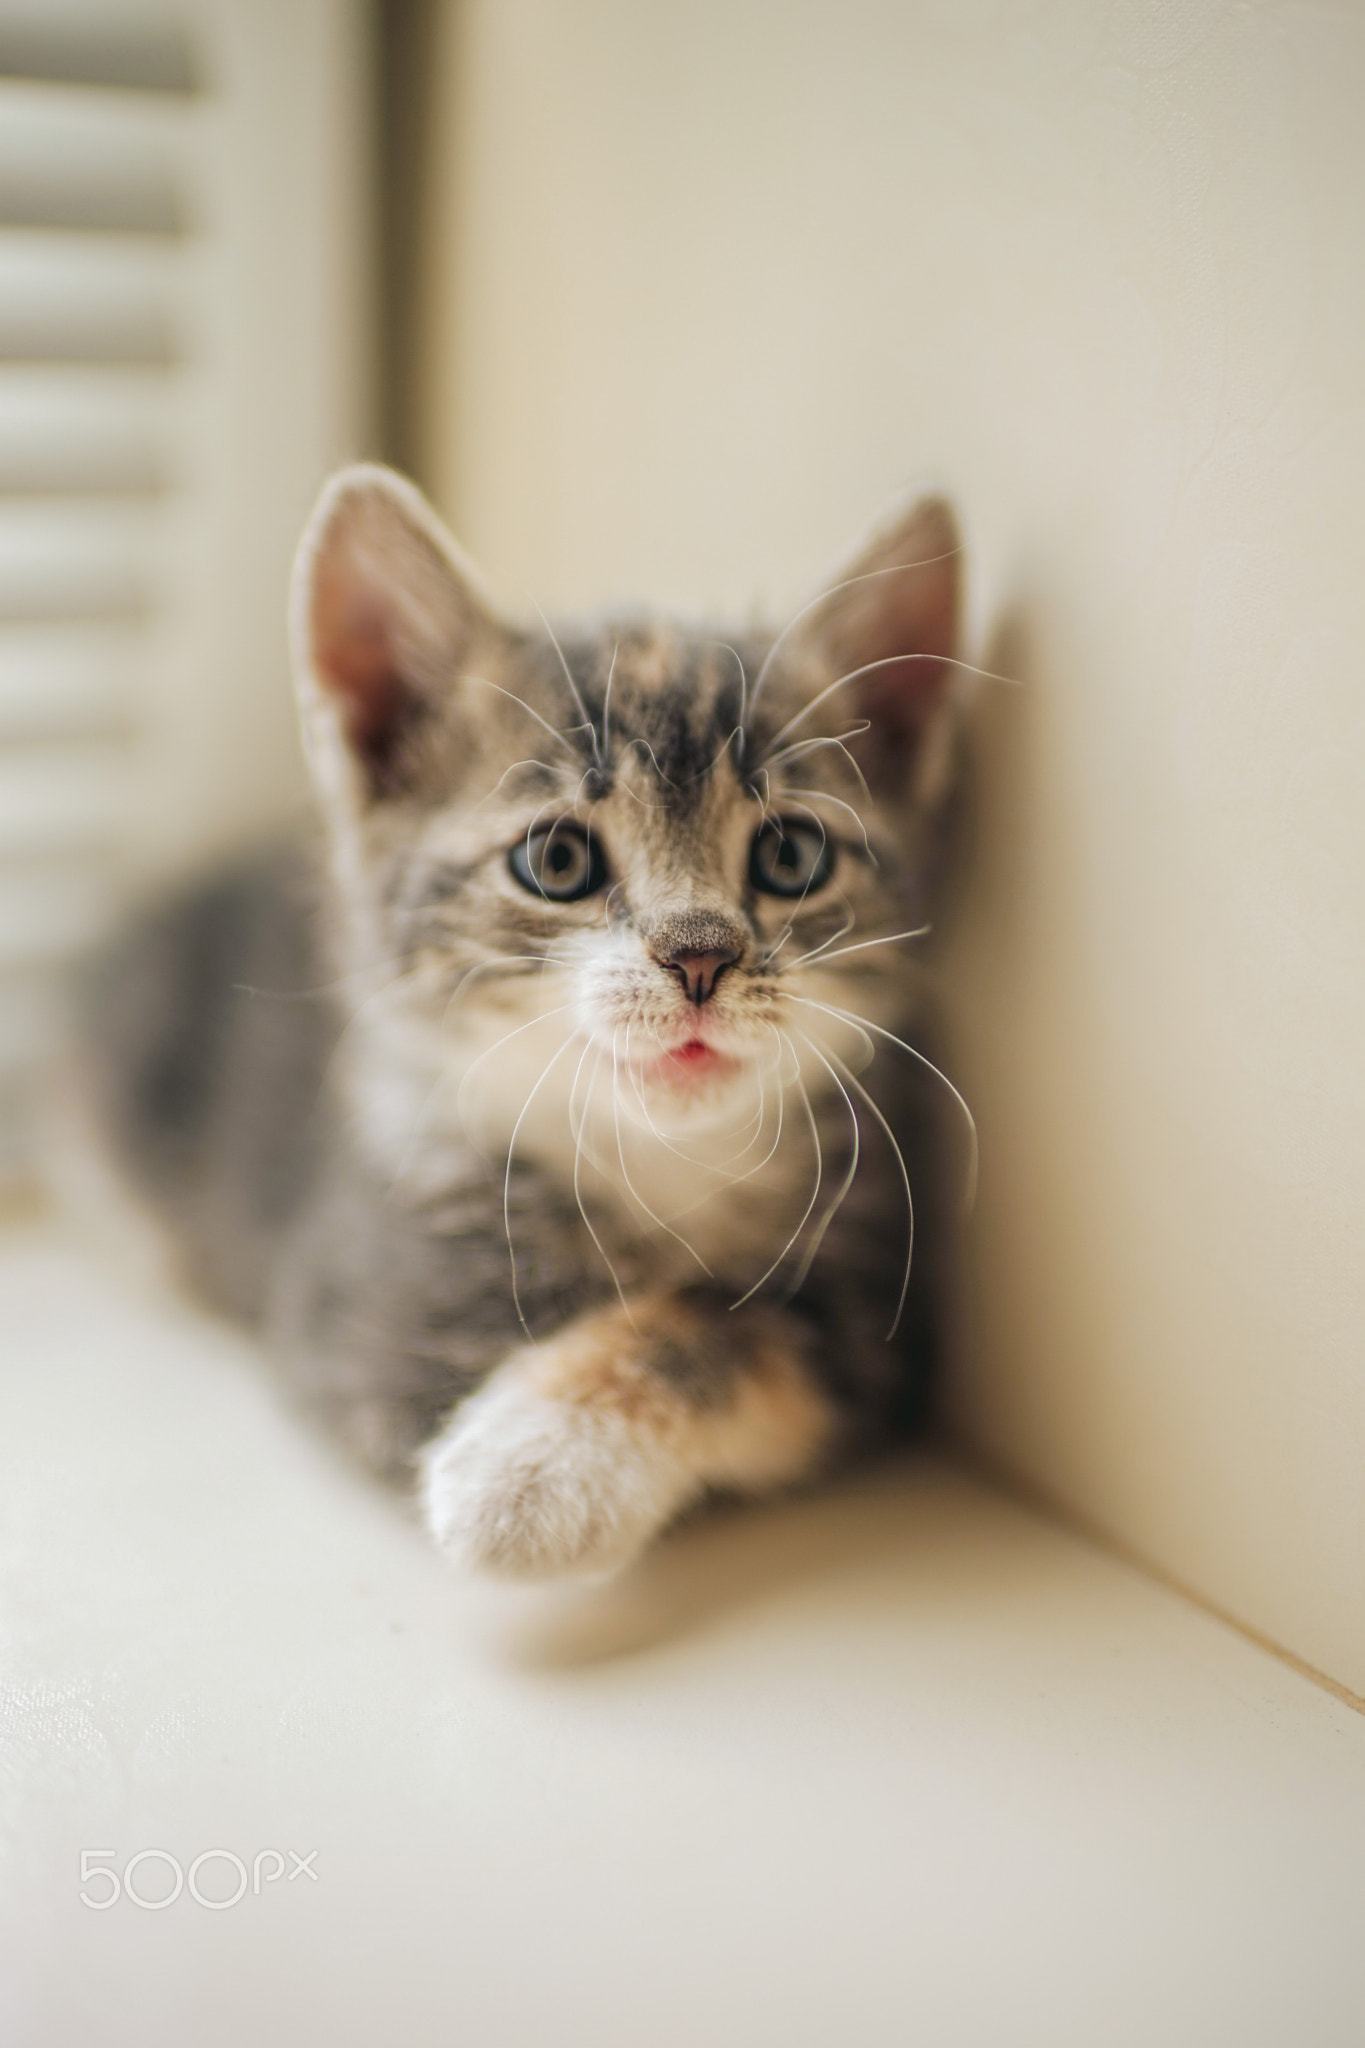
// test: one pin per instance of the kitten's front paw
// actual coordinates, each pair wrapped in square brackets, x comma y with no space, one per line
[527,1486]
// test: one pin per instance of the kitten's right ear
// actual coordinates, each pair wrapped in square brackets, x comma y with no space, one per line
[889,629]
[384,614]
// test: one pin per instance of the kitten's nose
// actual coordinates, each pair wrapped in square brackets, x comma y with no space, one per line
[699,972]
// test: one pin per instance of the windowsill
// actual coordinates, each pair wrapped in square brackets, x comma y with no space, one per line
[898,1761]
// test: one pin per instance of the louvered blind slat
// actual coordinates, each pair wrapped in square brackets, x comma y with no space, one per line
[95,209]
[108,161]
[90,298]
[176,372]
[76,560]
[84,429]
[62,679]
[138,55]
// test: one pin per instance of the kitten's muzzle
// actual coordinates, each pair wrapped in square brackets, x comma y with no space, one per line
[699,972]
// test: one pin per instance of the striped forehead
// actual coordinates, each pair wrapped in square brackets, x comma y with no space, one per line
[662,709]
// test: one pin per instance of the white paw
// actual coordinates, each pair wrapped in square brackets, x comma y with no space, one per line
[526,1486]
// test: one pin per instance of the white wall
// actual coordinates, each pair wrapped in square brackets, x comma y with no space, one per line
[713,282]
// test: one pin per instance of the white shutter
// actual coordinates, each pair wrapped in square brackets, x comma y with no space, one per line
[182,233]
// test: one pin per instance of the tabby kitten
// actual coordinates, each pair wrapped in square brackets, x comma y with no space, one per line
[583,1174]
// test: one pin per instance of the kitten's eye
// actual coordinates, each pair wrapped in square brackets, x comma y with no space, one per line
[560,863]
[789,858]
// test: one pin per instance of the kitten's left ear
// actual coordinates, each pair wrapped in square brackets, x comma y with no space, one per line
[385,614]
[890,625]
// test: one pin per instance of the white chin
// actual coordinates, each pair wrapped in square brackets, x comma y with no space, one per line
[682,1104]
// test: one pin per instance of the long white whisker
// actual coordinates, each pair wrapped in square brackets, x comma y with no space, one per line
[818,1235]
[799,901]
[542,1018]
[716,758]
[852,732]
[826,798]
[638,1092]
[755,1124]
[577,1130]
[636,798]
[687,1158]
[854,1082]
[865,1024]
[351,977]
[612,901]
[823,956]
[887,661]
[795,749]
[867,668]
[573,692]
[508,963]
[625,1171]
[606,700]
[441,1081]
[530,761]
[541,809]
[847,926]
[815,1191]
[737,1180]
[758,1167]
[513,698]
[341,1047]
[554,1058]
[868,576]
[743,695]
[657,769]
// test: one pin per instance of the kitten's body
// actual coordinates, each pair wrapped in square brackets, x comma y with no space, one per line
[594,1199]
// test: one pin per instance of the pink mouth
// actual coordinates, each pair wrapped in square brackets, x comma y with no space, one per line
[693,1061]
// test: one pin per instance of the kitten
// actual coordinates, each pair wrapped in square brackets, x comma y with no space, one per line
[572,1158]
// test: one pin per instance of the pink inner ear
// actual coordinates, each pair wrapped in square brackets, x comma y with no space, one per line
[901,627]
[356,662]
[900,699]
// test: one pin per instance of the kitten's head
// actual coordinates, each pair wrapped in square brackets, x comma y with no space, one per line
[675,851]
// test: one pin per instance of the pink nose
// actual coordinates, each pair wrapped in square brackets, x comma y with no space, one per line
[699,972]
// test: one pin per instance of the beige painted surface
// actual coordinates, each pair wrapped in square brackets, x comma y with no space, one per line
[712,284]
